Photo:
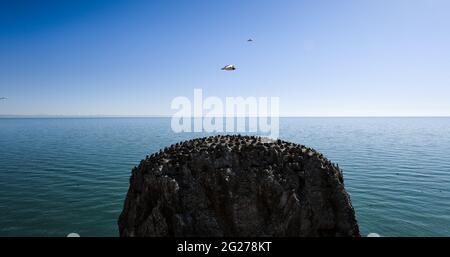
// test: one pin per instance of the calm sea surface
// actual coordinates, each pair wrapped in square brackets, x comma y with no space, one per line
[59,176]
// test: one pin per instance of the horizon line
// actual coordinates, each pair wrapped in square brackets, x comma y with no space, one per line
[9,116]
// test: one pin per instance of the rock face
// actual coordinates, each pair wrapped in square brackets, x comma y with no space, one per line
[237,186]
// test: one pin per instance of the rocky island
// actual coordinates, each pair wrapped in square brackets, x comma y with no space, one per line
[237,186]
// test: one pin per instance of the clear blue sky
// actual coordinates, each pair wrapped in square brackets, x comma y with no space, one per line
[322,58]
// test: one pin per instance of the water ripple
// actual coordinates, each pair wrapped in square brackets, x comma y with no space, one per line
[71,175]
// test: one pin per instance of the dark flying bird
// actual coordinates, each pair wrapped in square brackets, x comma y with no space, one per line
[250,40]
[3,98]
[229,67]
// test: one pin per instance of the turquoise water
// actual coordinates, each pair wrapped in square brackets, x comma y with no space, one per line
[71,175]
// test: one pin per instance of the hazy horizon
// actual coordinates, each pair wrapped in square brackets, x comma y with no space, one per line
[5,116]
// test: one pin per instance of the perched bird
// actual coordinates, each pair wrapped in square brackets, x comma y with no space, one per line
[229,67]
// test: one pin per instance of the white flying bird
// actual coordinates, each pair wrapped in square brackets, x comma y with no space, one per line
[229,67]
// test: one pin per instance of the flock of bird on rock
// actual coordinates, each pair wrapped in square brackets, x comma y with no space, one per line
[231,67]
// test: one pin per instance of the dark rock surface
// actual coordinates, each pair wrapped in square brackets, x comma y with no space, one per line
[237,186]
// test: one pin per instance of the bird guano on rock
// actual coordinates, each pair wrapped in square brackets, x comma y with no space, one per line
[233,185]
